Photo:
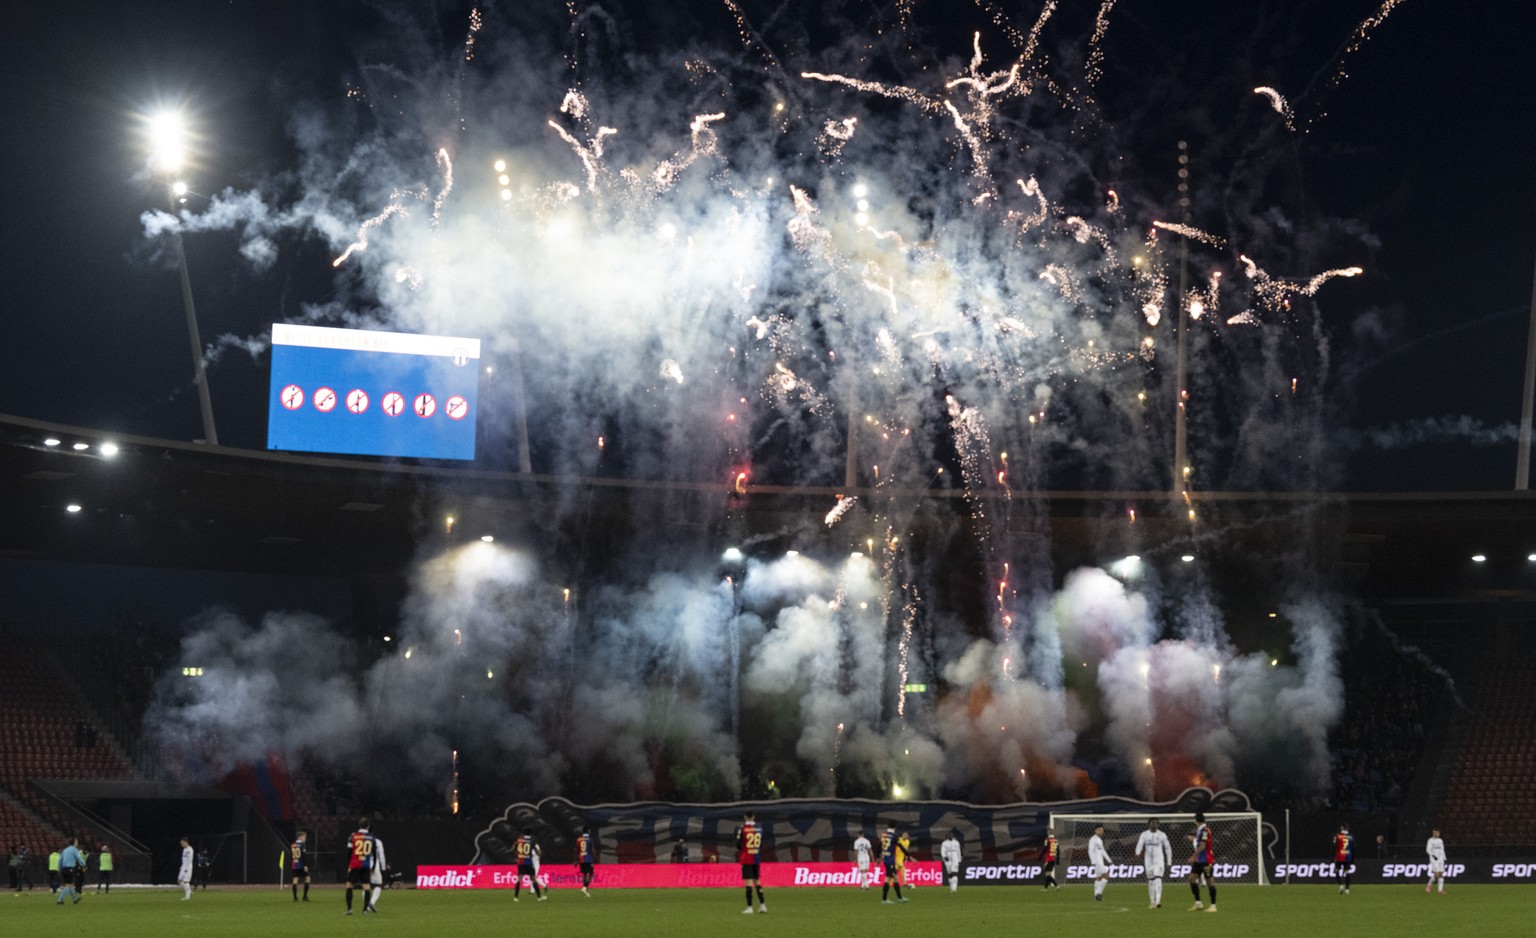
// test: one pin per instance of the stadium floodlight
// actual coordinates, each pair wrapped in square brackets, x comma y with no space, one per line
[72,508]
[1479,558]
[54,441]
[1126,568]
[732,555]
[81,447]
[1531,557]
[1188,558]
[167,140]
[108,449]
[487,538]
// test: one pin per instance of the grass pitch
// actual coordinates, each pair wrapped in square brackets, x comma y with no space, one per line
[978,912]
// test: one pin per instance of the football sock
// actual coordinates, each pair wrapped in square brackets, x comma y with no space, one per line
[306,890]
[349,898]
[885,892]
[373,900]
[295,890]
[1098,887]
[760,895]
[749,896]
[1212,888]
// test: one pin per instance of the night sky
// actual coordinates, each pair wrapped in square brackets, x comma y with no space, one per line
[1426,144]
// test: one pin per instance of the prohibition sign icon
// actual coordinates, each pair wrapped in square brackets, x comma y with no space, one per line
[292,397]
[394,403]
[325,400]
[425,405]
[456,407]
[357,400]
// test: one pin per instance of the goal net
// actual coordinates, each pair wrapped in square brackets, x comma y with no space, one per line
[1238,838]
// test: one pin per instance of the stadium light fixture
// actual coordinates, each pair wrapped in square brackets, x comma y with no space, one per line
[1188,558]
[51,441]
[487,538]
[108,449]
[388,639]
[81,447]
[732,555]
[1126,568]
[73,508]
[167,140]
[1479,558]
[1531,557]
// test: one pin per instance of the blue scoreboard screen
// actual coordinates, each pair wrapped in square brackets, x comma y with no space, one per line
[372,393]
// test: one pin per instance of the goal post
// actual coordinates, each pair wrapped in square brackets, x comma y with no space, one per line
[1237,837]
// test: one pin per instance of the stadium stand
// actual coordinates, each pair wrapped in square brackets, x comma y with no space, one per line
[47,733]
[1488,800]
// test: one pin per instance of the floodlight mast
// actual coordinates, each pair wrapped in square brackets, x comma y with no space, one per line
[167,131]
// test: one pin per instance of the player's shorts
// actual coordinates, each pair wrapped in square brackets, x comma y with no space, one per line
[585,868]
[891,871]
[357,876]
[527,869]
[1155,872]
[300,872]
[864,865]
[952,867]
[1197,868]
[1100,869]
[749,871]
[1050,865]
[1437,867]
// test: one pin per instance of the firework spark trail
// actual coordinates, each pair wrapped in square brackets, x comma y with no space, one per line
[899,92]
[836,134]
[1026,222]
[1189,231]
[361,244]
[575,104]
[704,143]
[589,155]
[1278,102]
[841,508]
[444,162]
[1361,35]
[475,22]
[1095,66]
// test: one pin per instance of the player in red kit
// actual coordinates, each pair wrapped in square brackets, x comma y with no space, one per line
[1201,862]
[360,863]
[749,848]
[528,853]
[1050,852]
[1343,856]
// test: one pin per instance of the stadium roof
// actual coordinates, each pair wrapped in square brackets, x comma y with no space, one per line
[166,503]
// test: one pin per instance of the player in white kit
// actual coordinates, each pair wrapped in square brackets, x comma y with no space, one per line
[184,875]
[949,852]
[1435,847]
[861,851]
[1099,857]
[1156,854]
[376,878]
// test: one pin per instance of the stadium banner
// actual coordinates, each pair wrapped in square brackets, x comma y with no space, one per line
[1025,874]
[814,830]
[1479,870]
[665,875]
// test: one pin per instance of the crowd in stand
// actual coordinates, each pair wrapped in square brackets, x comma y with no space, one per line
[1390,700]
